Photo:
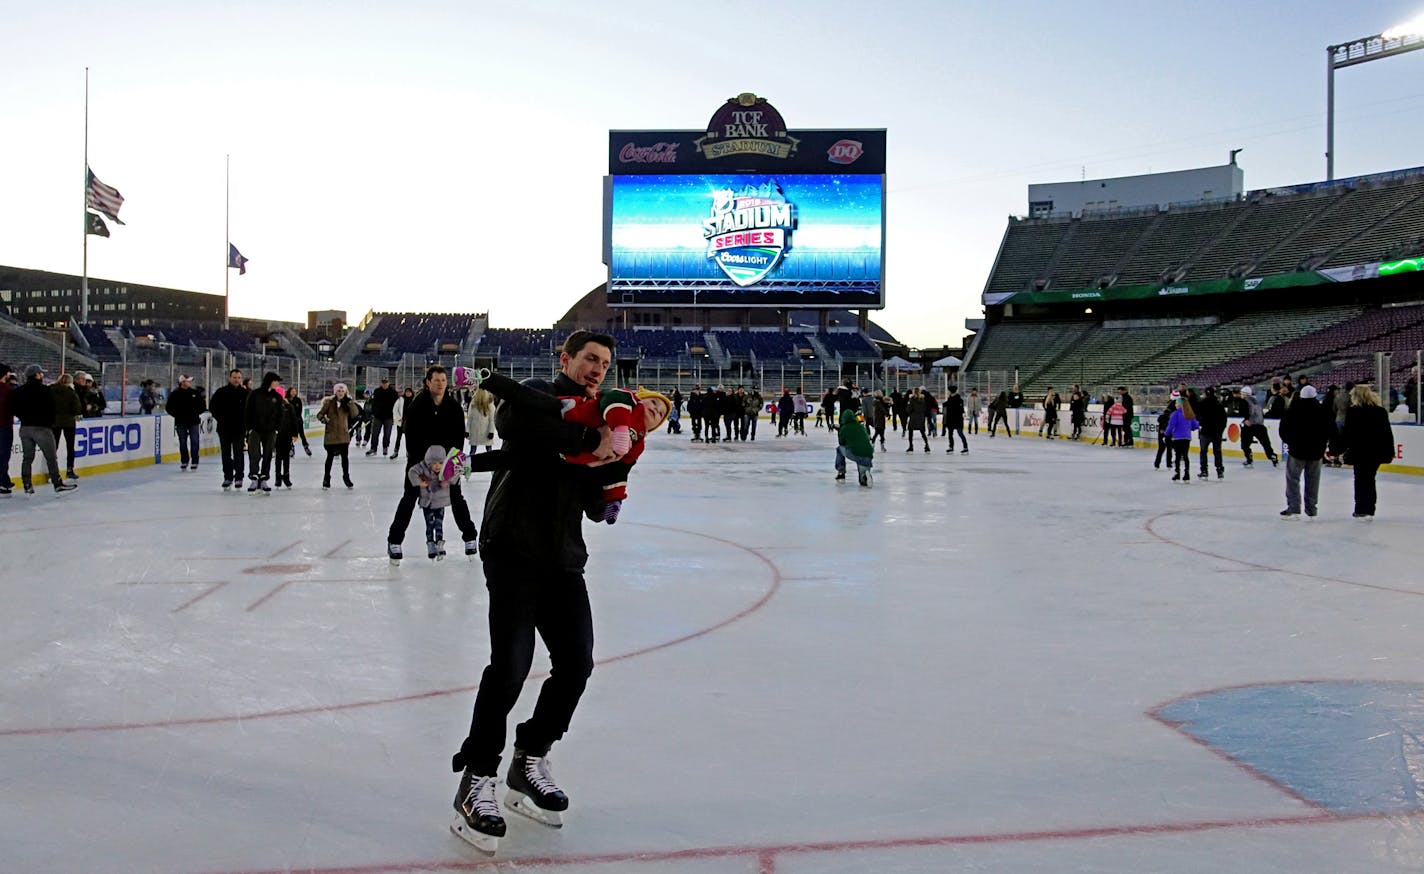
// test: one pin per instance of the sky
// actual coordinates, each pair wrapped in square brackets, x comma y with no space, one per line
[421,156]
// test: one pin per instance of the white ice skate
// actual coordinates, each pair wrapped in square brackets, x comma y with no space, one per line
[532,791]
[477,820]
[867,479]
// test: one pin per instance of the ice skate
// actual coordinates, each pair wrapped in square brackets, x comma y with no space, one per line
[867,479]
[430,550]
[472,547]
[478,821]
[393,552]
[532,791]
[439,550]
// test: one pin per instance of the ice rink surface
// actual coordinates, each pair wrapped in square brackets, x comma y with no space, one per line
[1038,657]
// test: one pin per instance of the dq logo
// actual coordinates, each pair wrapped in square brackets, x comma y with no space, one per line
[749,231]
[845,152]
[106,439]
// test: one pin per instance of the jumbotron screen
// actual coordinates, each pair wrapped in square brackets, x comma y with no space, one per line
[747,240]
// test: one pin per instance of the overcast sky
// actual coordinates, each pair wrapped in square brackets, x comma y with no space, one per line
[448,156]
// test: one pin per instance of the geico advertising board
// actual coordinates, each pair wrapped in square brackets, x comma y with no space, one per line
[746,240]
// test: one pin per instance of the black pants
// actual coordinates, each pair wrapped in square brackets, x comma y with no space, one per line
[696,427]
[712,429]
[68,432]
[1164,447]
[381,428]
[1256,432]
[231,446]
[1365,494]
[911,431]
[729,424]
[259,452]
[798,421]
[1182,450]
[523,600]
[458,508]
[951,431]
[994,418]
[783,424]
[282,451]
[395,450]
[1207,441]
[333,452]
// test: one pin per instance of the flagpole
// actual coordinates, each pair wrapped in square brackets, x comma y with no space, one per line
[84,282]
[227,233]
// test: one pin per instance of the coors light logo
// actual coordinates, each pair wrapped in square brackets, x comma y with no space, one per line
[749,230]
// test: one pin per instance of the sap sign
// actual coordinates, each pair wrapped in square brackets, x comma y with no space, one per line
[106,439]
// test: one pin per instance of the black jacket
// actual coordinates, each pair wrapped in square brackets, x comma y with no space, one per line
[185,405]
[383,403]
[694,405]
[1212,416]
[1367,437]
[1306,429]
[264,411]
[954,412]
[229,408]
[534,511]
[92,401]
[427,425]
[33,404]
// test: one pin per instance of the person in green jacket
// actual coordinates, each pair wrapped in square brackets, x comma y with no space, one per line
[853,442]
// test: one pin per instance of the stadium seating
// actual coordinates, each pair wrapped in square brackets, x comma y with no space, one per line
[847,344]
[419,333]
[1025,346]
[763,345]
[516,342]
[1371,331]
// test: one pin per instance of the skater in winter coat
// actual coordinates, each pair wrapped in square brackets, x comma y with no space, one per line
[973,408]
[915,420]
[264,417]
[434,498]
[479,421]
[999,412]
[186,406]
[68,409]
[954,420]
[432,418]
[229,409]
[1050,415]
[286,441]
[1365,443]
[399,413]
[1306,430]
[800,410]
[1179,430]
[339,413]
[852,442]
[879,417]
[1212,416]
[1253,427]
[785,407]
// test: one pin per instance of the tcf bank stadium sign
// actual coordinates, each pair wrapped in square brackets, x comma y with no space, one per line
[747,125]
[746,135]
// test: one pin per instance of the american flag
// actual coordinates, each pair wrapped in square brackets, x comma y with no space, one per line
[102,197]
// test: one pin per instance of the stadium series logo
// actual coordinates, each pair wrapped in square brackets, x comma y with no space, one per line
[749,231]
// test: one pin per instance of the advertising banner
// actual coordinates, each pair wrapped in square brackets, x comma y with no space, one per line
[114,443]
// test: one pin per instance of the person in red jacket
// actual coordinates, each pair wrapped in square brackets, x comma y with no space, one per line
[630,415]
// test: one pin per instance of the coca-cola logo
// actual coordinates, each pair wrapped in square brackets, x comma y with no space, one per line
[845,152]
[658,153]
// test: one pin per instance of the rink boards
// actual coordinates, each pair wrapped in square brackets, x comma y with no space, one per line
[122,442]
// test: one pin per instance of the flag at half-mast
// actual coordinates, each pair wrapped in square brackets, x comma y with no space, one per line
[104,198]
[235,259]
[93,224]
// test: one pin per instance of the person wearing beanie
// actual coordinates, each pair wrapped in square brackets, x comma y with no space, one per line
[263,417]
[1253,427]
[338,413]
[428,475]
[33,404]
[1306,429]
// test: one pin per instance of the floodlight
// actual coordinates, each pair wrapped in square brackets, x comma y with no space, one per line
[1413,27]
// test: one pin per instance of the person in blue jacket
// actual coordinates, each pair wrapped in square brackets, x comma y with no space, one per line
[1179,430]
